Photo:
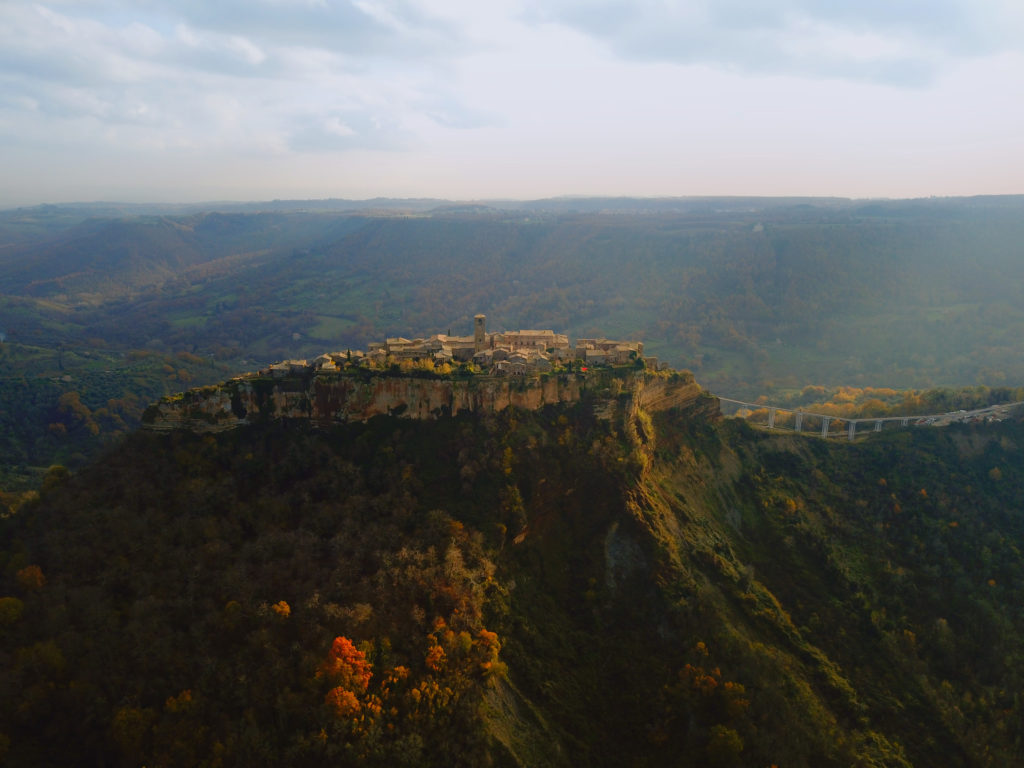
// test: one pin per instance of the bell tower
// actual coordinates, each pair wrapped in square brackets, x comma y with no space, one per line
[479,332]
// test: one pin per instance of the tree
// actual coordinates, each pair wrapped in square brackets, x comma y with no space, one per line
[31,578]
[346,666]
[724,746]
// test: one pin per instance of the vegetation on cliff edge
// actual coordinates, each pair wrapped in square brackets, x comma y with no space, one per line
[527,588]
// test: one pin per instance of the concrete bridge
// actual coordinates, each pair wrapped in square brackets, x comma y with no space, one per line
[799,420]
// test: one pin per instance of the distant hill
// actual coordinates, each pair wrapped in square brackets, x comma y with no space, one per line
[755,295]
[104,258]
[901,293]
[528,588]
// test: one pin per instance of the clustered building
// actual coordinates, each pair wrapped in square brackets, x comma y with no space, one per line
[502,353]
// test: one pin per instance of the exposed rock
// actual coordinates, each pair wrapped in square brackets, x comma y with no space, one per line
[343,397]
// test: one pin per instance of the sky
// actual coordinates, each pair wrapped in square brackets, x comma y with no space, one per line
[202,100]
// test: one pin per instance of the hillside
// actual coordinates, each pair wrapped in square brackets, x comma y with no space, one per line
[757,296]
[103,258]
[526,587]
[750,291]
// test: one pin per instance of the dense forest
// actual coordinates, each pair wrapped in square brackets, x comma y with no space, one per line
[119,305]
[525,588]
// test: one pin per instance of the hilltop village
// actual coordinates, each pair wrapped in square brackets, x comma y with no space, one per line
[502,353]
[439,376]
[443,375]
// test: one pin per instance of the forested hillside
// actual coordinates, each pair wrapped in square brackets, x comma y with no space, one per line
[745,290]
[530,588]
[754,295]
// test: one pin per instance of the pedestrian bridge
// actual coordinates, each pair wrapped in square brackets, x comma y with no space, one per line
[799,420]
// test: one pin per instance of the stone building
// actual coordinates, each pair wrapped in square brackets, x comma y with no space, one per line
[520,352]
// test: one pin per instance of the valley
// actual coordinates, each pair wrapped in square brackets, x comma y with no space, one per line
[755,296]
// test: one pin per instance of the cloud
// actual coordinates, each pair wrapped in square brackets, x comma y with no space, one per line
[902,43]
[260,75]
[446,109]
[390,28]
[344,132]
[524,96]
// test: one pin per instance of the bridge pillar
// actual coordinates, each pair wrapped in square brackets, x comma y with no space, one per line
[824,425]
[878,426]
[799,420]
[905,422]
[853,429]
[771,418]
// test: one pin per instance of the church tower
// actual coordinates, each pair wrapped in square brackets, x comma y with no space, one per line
[479,332]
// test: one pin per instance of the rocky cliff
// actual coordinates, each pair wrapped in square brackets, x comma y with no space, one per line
[346,397]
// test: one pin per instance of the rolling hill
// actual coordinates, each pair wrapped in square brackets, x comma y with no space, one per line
[756,295]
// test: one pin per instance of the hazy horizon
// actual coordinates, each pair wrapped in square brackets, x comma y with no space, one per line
[395,203]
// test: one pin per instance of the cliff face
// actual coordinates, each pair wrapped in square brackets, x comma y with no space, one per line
[330,398]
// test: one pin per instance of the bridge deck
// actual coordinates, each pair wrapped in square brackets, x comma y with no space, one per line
[990,412]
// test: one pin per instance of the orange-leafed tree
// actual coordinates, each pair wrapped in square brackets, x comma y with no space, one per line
[347,669]
[346,666]
[343,702]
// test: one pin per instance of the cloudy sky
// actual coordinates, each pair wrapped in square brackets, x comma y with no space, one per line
[186,100]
